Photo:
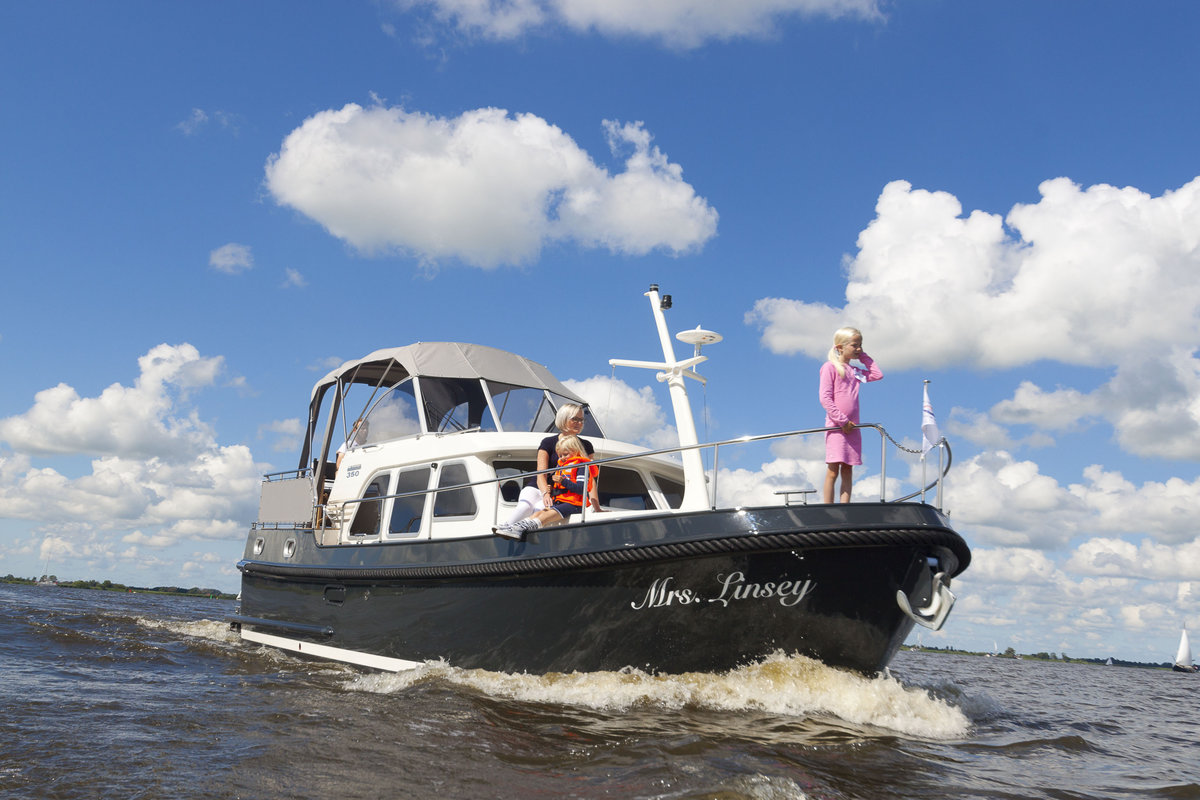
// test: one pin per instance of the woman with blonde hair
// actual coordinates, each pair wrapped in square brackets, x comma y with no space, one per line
[537,494]
[838,393]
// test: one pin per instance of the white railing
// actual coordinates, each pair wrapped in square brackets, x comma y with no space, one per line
[943,448]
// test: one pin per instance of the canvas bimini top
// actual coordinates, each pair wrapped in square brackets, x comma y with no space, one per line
[391,365]
[434,388]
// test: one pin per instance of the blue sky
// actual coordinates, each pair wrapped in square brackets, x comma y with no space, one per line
[205,206]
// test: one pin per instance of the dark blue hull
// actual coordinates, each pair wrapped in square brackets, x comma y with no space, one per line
[672,593]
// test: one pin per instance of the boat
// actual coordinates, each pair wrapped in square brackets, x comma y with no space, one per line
[388,560]
[1183,656]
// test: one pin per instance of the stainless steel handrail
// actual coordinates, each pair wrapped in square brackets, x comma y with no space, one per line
[666,451]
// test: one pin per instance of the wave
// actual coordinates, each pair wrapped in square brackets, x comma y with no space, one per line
[789,686]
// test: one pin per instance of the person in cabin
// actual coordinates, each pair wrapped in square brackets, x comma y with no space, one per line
[838,393]
[573,482]
[537,494]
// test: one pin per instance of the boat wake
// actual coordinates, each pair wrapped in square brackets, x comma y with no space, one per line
[788,686]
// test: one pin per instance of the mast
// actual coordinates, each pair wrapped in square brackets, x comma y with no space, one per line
[672,372]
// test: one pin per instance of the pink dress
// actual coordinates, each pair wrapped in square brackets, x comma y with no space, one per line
[839,398]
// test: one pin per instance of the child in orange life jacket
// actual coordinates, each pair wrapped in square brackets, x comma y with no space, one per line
[572,481]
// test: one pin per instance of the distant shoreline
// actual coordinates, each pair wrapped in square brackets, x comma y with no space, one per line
[1012,655]
[109,586]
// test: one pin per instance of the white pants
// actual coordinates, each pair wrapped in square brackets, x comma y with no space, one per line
[528,502]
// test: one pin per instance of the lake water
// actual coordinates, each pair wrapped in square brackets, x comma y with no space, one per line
[149,696]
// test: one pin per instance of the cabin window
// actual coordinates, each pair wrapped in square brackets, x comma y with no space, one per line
[672,490]
[521,408]
[366,514]
[407,512]
[508,473]
[623,488]
[455,404]
[456,502]
[392,416]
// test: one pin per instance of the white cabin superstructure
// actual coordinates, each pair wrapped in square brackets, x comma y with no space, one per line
[439,432]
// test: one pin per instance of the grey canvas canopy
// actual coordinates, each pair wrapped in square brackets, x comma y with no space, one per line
[451,372]
[445,360]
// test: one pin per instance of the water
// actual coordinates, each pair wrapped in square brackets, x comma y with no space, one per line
[148,696]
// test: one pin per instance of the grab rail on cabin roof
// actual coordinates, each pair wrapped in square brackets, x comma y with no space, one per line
[885,437]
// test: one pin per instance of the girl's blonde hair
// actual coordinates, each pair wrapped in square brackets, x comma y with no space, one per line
[841,337]
[569,443]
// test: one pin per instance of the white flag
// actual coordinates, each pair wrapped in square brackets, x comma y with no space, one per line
[929,428]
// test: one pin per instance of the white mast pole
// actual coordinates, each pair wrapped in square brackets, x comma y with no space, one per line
[695,489]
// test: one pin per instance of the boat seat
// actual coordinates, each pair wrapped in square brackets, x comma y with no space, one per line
[787,495]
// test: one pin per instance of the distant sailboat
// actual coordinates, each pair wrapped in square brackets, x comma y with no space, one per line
[46,579]
[1109,662]
[1183,657]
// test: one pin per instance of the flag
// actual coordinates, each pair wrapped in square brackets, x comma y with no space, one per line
[929,428]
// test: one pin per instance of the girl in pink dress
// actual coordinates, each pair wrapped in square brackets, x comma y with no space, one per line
[839,397]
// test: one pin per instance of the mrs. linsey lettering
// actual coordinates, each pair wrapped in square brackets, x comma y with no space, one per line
[733,587]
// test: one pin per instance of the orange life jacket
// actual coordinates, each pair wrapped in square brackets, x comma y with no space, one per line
[563,494]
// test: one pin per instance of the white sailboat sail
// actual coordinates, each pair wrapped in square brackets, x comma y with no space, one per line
[1183,657]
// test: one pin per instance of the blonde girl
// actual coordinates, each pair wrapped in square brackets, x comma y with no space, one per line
[838,393]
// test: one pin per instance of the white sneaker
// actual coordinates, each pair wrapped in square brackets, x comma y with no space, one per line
[526,525]
[508,530]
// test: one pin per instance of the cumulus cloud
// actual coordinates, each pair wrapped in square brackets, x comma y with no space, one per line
[130,422]
[158,476]
[487,188]
[625,413]
[679,23]
[231,258]
[1080,280]
[1099,277]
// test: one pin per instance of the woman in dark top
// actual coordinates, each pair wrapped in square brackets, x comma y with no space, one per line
[536,495]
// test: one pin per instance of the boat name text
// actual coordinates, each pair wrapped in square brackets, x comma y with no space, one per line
[733,587]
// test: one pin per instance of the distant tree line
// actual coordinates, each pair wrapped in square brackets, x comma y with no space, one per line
[110,586]
[1040,656]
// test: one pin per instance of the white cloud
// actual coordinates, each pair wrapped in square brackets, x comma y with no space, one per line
[288,434]
[1100,277]
[1031,405]
[293,279]
[125,421]
[679,23]
[1004,501]
[231,258]
[160,477]
[194,122]
[625,413]
[1081,282]
[487,188]
[979,429]
[199,119]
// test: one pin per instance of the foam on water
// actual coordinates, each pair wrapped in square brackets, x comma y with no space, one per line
[211,629]
[786,685]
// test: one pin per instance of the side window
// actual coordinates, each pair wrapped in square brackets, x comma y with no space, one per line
[510,484]
[457,502]
[623,488]
[672,490]
[366,515]
[407,512]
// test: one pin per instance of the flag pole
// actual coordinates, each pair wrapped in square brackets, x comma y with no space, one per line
[924,482]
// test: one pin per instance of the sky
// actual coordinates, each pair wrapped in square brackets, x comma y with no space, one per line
[206,206]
